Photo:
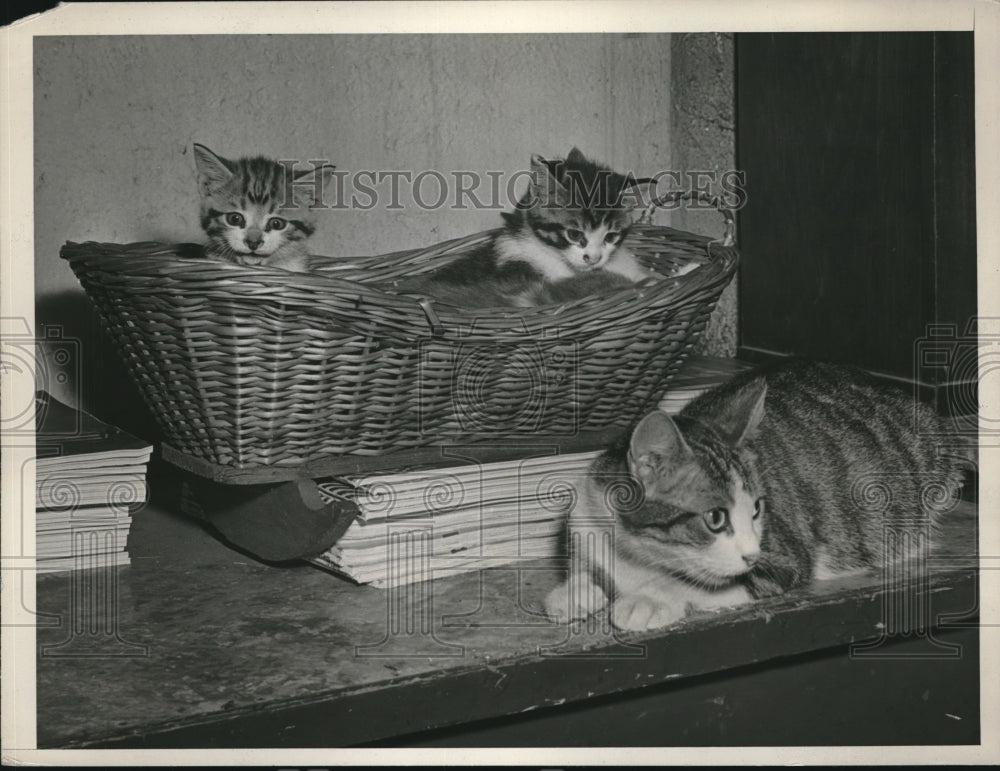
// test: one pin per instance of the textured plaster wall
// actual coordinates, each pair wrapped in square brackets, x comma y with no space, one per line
[703,139]
[115,118]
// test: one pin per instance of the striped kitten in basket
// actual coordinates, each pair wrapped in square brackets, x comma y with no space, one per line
[253,214]
[798,471]
[562,242]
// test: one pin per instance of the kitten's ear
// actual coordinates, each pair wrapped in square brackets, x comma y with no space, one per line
[323,171]
[310,184]
[739,418]
[576,157]
[213,170]
[656,443]
[545,188]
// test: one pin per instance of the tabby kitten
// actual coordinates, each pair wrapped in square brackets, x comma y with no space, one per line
[562,242]
[778,477]
[254,215]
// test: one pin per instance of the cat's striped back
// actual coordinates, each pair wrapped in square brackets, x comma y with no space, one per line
[845,463]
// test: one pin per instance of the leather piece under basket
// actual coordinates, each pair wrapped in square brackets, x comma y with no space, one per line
[276,523]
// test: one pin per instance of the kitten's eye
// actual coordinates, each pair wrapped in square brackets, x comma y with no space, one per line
[611,238]
[276,223]
[758,507]
[716,520]
[235,219]
[574,235]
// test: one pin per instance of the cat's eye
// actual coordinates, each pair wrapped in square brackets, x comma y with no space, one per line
[574,235]
[758,507]
[276,223]
[235,219]
[716,520]
[611,238]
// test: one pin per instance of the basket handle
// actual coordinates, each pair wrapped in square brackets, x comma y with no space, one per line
[437,329]
[728,238]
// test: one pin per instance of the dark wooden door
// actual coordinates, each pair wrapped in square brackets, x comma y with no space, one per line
[858,235]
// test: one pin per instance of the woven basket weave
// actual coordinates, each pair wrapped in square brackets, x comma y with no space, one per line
[257,367]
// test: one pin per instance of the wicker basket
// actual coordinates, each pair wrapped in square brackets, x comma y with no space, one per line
[256,367]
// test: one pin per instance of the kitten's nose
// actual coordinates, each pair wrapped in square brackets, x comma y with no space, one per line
[254,238]
[591,259]
[751,558]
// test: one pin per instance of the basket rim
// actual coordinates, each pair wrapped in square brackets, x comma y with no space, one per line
[144,265]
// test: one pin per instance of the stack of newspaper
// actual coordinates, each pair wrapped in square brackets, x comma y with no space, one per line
[423,524]
[89,476]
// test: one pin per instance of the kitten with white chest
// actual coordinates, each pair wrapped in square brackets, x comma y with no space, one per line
[254,214]
[562,242]
[757,487]
[572,220]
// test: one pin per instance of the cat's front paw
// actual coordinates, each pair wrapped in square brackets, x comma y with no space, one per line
[770,580]
[639,612]
[586,599]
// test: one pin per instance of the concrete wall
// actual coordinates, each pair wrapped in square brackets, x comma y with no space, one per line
[115,118]
[703,139]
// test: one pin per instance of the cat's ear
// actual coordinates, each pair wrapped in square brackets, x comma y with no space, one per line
[309,184]
[213,170]
[740,416]
[575,157]
[545,187]
[324,171]
[656,444]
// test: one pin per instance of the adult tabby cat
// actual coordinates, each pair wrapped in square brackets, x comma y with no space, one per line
[253,214]
[563,241]
[780,476]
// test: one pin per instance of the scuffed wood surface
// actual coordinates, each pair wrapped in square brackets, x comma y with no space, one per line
[215,649]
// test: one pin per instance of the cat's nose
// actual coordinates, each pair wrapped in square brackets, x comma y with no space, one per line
[591,259]
[751,558]
[253,242]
